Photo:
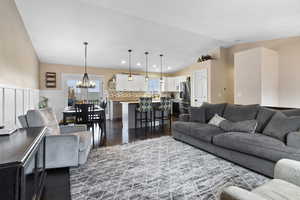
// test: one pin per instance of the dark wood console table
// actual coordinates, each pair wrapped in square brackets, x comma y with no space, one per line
[22,164]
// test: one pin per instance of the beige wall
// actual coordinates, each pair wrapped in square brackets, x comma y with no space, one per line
[19,65]
[288,50]
[60,69]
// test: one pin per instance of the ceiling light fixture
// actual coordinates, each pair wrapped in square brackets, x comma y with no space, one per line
[85,83]
[146,56]
[154,66]
[138,64]
[169,68]
[161,66]
[129,65]
[123,62]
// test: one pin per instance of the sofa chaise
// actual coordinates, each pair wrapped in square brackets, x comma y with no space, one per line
[276,135]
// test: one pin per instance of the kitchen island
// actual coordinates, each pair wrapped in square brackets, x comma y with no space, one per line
[128,113]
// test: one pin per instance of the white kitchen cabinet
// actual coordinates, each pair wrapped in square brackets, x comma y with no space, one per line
[172,84]
[137,83]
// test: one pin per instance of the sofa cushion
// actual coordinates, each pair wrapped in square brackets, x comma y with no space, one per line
[85,139]
[280,125]
[257,145]
[263,118]
[197,114]
[43,117]
[212,109]
[182,126]
[237,113]
[247,126]
[292,112]
[204,132]
[277,189]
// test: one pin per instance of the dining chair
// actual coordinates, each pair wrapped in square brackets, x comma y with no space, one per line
[164,108]
[144,107]
[85,114]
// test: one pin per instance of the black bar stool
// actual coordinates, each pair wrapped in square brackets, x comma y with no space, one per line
[164,108]
[144,107]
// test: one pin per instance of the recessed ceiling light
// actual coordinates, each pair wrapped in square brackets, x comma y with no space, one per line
[169,68]
[123,62]
[154,66]
[138,64]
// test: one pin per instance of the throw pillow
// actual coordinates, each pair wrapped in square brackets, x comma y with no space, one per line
[197,114]
[263,118]
[237,113]
[247,126]
[216,120]
[212,109]
[280,125]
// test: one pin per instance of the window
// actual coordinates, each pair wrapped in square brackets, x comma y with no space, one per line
[154,85]
[73,94]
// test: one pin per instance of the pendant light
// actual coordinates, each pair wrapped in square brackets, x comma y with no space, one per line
[146,56]
[161,67]
[85,83]
[129,65]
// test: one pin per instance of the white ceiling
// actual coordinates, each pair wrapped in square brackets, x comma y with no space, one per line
[180,29]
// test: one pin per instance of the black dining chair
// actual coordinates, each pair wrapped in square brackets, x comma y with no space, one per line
[163,110]
[85,114]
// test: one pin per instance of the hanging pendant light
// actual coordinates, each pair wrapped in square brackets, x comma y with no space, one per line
[146,56]
[161,67]
[85,83]
[129,65]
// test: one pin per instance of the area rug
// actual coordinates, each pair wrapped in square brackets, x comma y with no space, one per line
[160,168]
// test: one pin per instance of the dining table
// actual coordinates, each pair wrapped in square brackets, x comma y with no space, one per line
[71,112]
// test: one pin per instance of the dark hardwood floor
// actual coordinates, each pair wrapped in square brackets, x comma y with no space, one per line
[57,183]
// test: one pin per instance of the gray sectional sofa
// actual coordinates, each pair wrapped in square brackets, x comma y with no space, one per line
[276,134]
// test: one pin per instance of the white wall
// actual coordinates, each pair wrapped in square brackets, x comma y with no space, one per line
[16,101]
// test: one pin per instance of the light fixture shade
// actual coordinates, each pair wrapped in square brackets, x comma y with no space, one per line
[161,67]
[129,65]
[85,83]
[146,56]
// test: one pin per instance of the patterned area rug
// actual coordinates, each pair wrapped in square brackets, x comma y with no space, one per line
[160,168]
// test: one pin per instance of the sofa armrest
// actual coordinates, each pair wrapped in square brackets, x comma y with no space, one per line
[293,140]
[184,117]
[236,193]
[72,129]
[62,151]
[288,170]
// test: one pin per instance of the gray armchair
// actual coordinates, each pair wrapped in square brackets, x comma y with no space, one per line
[284,186]
[66,146]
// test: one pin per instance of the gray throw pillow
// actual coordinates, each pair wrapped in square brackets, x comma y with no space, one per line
[263,118]
[216,120]
[212,109]
[247,126]
[197,114]
[237,113]
[280,125]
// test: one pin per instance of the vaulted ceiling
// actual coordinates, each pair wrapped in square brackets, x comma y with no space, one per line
[180,29]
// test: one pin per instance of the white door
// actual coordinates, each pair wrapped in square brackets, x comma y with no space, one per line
[199,87]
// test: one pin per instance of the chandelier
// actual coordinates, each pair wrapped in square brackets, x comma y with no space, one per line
[85,83]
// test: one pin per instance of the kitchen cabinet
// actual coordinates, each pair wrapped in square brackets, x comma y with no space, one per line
[137,83]
[172,84]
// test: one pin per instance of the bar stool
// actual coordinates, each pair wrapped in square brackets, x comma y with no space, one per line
[165,106]
[144,107]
